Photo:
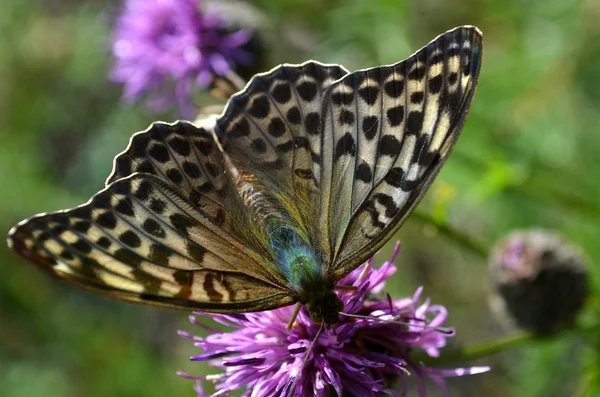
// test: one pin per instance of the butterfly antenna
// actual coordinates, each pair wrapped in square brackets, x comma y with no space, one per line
[443,330]
[235,80]
[294,315]
[306,356]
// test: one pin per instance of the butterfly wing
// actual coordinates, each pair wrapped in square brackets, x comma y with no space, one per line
[271,131]
[153,238]
[387,131]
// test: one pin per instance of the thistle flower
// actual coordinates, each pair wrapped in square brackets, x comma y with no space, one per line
[356,357]
[166,48]
[541,280]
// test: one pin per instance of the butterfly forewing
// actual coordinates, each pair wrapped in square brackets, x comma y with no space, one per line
[142,239]
[386,133]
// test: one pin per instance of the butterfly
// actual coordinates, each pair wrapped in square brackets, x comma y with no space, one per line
[308,171]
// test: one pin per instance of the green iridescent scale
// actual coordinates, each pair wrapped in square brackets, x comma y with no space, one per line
[306,174]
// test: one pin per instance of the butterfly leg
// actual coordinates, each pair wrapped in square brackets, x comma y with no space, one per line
[346,288]
[294,315]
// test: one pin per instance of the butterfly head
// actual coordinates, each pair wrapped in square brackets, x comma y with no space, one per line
[325,307]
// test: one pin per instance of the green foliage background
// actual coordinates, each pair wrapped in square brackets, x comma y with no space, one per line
[528,157]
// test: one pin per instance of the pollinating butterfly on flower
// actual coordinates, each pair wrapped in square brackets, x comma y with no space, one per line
[308,172]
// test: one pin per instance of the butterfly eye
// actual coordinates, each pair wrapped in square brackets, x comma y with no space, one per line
[315,314]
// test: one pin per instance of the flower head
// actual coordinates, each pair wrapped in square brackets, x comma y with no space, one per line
[358,356]
[168,47]
[541,280]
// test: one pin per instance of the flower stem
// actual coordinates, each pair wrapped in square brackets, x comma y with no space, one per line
[476,246]
[481,349]
[493,346]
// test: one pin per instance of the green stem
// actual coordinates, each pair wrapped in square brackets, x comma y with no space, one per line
[476,246]
[487,348]
[480,349]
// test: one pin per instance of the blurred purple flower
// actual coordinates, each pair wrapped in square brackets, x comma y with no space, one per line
[541,281]
[166,48]
[358,357]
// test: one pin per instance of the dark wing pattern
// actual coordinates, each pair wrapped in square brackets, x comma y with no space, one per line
[151,237]
[272,127]
[387,131]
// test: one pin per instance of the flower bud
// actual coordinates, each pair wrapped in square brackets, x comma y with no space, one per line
[541,280]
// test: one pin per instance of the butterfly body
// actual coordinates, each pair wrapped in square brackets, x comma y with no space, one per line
[306,174]
[310,284]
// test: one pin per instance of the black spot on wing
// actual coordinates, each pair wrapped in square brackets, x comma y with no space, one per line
[157,206]
[346,117]
[276,127]
[130,239]
[258,145]
[128,257]
[395,177]
[143,191]
[345,145]
[180,145]
[152,227]
[192,170]
[159,153]
[260,107]
[312,123]
[104,242]
[395,115]
[125,206]
[293,115]
[159,254]
[369,94]
[209,288]
[417,97]
[174,175]
[435,84]
[82,246]
[364,173]
[195,251]
[370,126]
[107,220]
[181,223]
[82,226]
[394,88]
[417,73]
[238,129]
[414,122]
[389,146]
[307,91]
[282,93]
[342,98]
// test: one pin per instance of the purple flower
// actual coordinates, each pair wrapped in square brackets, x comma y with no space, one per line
[359,356]
[169,47]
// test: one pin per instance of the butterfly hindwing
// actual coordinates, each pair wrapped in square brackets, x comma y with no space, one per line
[386,133]
[271,128]
[140,240]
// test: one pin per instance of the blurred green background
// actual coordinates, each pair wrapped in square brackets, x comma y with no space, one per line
[528,156]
